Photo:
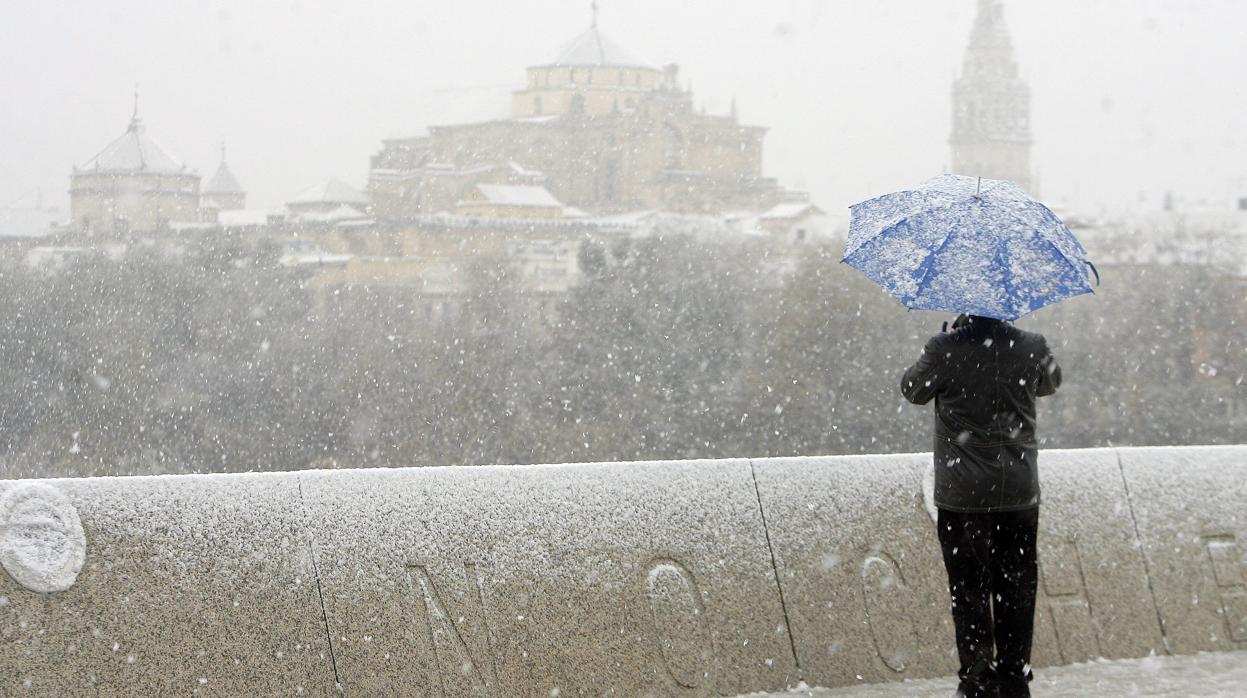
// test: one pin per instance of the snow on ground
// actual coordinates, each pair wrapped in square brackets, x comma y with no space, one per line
[1208,675]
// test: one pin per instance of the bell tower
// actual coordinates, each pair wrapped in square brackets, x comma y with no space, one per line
[991,105]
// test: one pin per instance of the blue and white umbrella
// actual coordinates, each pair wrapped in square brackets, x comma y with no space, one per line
[967,245]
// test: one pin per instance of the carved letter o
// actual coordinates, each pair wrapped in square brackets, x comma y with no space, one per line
[679,622]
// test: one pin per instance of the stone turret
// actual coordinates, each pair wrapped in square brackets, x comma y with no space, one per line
[222,192]
[132,186]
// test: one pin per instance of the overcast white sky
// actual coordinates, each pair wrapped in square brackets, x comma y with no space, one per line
[1130,97]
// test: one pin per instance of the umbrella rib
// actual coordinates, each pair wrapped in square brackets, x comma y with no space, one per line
[1027,224]
[928,263]
[1067,261]
[1000,262]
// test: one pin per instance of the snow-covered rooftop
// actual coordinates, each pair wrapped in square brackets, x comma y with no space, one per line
[341,213]
[517,195]
[543,119]
[135,151]
[524,171]
[331,191]
[790,209]
[191,226]
[314,258]
[243,217]
[223,182]
[593,48]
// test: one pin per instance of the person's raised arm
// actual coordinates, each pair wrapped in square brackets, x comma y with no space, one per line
[921,382]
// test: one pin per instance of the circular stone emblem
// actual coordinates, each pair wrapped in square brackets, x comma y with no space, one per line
[42,545]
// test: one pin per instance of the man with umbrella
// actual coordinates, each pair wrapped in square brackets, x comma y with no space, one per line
[984,376]
[986,250]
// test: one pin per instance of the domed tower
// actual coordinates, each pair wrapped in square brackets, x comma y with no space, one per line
[991,105]
[592,75]
[132,186]
[222,192]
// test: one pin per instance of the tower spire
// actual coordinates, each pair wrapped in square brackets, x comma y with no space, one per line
[991,105]
[593,5]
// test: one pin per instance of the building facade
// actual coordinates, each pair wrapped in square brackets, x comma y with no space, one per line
[601,130]
[991,135]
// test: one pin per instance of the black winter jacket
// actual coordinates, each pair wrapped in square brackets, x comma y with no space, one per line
[984,377]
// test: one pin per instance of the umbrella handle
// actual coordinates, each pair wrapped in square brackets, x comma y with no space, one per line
[1093,271]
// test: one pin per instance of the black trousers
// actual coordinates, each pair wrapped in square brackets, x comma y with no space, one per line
[992,576]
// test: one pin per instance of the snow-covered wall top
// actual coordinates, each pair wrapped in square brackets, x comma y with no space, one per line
[657,578]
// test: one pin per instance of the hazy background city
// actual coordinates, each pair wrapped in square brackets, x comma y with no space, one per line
[385,321]
[1131,98]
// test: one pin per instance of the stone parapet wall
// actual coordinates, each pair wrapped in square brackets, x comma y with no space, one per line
[694,578]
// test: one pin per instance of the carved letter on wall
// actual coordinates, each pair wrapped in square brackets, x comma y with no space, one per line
[1230,575]
[679,622]
[1068,604]
[458,630]
[885,597]
[42,544]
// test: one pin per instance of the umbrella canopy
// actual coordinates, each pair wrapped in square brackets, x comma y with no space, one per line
[967,245]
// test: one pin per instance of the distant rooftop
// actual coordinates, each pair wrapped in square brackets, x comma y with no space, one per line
[593,48]
[135,151]
[330,191]
[341,213]
[789,210]
[513,195]
[243,218]
[223,182]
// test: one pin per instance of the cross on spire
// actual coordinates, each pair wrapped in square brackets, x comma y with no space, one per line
[134,116]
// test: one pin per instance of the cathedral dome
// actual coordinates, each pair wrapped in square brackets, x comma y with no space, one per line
[593,48]
[135,152]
